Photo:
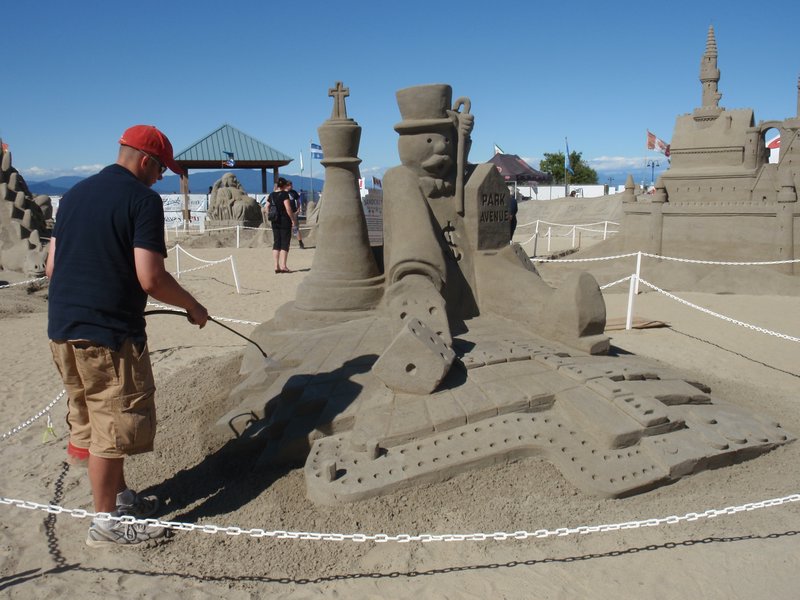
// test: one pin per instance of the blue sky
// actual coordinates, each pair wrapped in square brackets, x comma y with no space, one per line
[76,74]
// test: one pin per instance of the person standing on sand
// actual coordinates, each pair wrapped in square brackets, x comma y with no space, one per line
[106,256]
[282,226]
[294,200]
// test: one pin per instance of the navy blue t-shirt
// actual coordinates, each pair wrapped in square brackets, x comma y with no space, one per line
[94,293]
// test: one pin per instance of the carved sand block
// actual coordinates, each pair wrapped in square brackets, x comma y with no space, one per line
[458,355]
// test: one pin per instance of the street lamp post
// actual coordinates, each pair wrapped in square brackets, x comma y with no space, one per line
[652,164]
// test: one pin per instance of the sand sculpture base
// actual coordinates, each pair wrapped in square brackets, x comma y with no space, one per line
[613,426]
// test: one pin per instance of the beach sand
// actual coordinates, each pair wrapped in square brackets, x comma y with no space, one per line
[204,477]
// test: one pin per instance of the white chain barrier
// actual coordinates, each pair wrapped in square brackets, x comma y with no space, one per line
[673,258]
[566,260]
[783,336]
[208,263]
[613,283]
[537,222]
[35,417]
[718,262]
[8,285]
[498,536]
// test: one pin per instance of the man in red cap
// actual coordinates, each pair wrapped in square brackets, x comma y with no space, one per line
[106,256]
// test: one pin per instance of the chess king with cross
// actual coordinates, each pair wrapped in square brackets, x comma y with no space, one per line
[446,248]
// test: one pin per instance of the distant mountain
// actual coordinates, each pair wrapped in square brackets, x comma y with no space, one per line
[199,182]
[53,187]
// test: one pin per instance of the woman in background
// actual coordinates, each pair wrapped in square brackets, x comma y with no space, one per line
[282,226]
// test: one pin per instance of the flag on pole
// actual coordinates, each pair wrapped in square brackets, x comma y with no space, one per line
[229,162]
[376,183]
[772,144]
[498,149]
[301,162]
[567,163]
[654,143]
[316,151]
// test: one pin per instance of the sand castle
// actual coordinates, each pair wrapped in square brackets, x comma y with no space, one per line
[24,221]
[457,355]
[721,198]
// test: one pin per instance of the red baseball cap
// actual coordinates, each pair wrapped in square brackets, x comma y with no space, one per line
[149,139]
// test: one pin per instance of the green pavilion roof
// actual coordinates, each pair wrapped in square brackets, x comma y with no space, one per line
[245,148]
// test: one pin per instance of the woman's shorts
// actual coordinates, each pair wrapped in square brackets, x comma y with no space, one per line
[281,236]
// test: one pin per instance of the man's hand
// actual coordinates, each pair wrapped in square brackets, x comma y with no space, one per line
[198,315]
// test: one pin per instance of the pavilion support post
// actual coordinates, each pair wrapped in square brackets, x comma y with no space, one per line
[275,175]
[187,215]
[263,180]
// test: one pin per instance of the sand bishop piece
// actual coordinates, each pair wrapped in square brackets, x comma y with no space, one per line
[449,352]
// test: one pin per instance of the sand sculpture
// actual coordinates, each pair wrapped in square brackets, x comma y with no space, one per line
[721,199]
[457,355]
[229,204]
[24,220]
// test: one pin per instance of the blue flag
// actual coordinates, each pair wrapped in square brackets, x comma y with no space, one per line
[316,151]
[567,164]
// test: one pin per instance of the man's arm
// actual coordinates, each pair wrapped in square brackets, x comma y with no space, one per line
[51,257]
[158,283]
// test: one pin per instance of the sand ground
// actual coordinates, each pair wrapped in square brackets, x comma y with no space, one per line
[203,478]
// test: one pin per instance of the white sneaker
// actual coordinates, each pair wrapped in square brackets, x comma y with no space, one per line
[117,533]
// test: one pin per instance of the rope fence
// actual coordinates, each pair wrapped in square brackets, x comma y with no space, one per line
[206,264]
[9,285]
[178,231]
[573,231]
[498,536]
[636,277]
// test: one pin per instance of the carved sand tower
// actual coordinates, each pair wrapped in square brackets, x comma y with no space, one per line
[24,219]
[721,199]
[469,359]
[344,275]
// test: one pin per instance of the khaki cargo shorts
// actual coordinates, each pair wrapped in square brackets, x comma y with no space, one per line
[111,397]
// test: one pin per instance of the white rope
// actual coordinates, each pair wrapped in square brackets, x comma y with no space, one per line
[38,415]
[565,224]
[498,536]
[719,316]
[198,259]
[8,285]
[658,256]
[199,268]
[609,232]
[613,283]
[566,260]
[717,262]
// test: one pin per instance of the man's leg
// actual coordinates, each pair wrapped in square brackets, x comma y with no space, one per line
[108,479]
